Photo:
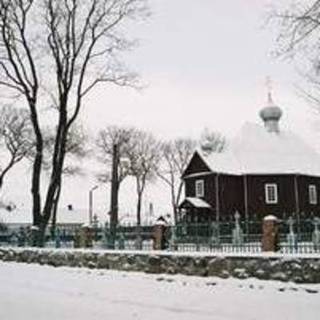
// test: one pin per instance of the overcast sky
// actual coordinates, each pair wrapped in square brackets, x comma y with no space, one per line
[205,63]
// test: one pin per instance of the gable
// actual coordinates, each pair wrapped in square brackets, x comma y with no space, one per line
[196,165]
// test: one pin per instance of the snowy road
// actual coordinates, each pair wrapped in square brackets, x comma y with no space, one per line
[46,293]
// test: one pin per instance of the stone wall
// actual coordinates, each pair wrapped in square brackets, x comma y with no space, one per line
[297,269]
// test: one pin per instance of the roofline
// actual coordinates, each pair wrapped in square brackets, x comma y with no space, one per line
[207,173]
[280,174]
[241,173]
[199,174]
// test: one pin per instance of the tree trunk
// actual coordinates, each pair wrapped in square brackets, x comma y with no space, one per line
[55,180]
[173,203]
[139,209]
[177,200]
[37,165]
[138,231]
[114,196]
[114,187]
[54,211]
[38,234]
[175,214]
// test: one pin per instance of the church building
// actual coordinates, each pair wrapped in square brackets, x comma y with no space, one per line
[264,170]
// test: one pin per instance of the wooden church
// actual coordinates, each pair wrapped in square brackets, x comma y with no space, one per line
[263,171]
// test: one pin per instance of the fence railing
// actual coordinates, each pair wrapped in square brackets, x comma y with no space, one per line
[295,236]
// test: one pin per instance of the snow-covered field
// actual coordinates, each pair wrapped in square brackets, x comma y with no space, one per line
[47,293]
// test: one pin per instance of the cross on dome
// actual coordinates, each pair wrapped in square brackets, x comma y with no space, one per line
[269,86]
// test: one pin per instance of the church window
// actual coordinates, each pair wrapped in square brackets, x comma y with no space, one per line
[271,193]
[199,188]
[313,194]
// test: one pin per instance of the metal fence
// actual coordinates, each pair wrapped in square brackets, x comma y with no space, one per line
[295,236]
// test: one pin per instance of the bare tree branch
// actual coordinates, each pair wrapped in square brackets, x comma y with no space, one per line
[144,158]
[76,38]
[175,156]
[16,137]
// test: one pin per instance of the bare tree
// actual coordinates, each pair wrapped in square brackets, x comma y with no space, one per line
[76,41]
[143,159]
[211,141]
[109,137]
[16,138]
[114,144]
[175,156]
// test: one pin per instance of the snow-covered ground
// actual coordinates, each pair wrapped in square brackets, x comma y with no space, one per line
[42,292]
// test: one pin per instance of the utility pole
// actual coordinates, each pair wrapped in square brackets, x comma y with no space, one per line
[91,204]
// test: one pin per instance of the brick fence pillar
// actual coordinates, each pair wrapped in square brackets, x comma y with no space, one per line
[159,236]
[270,234]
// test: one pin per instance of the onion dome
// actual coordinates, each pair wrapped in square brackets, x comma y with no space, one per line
[271,115]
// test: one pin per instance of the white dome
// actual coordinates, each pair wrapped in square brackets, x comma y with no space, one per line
[271,115]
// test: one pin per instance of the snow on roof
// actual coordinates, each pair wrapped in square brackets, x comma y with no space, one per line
[197,202]
[257,151]
[161,223]
[224,162]
[270,218]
